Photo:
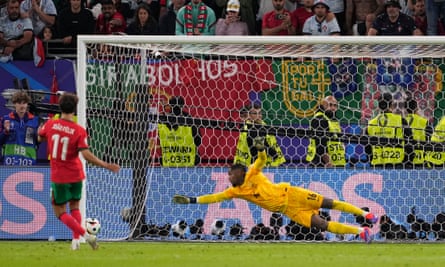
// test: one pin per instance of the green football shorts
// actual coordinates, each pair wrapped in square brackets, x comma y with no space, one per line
[62,193]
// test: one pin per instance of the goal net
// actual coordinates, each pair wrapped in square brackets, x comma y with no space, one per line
[175,112]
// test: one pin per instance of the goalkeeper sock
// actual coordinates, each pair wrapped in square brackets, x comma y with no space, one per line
[78,217]
[340,228]
[346,207]
[69,221]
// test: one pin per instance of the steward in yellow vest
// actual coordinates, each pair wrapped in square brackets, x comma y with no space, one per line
[335,150]
[179,143]
[388,125]
[437,158]
[323,151]
[246,152]
[421,131]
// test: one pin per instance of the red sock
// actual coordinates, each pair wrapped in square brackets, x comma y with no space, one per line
[69,221]
[78,217]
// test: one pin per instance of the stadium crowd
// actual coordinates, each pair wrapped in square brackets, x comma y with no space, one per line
[63,20]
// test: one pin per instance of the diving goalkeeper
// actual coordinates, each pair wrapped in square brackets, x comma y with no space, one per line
[299,204]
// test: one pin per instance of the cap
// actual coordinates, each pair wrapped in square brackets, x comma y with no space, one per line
[394,3]
[320,2]
[233,5]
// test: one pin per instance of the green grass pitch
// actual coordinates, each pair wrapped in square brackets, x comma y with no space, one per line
[212,254]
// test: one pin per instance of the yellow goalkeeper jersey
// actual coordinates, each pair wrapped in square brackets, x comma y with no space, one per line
[257,188]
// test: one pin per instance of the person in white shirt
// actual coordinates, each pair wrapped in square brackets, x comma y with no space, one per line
[318,24]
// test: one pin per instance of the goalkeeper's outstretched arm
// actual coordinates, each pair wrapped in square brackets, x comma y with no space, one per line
[205,199]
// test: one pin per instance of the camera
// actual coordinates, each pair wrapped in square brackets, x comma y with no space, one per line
[280,16]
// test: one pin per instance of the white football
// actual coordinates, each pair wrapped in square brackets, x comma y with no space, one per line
[92,226]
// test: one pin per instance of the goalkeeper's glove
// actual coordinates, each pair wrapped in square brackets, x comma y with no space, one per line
[179,199]
[258,142]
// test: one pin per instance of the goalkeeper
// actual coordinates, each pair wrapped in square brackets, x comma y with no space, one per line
[299,204]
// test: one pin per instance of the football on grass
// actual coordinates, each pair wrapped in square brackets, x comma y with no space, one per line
[92,226]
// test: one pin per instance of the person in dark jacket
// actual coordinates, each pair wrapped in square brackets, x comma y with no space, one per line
[144,23]
[167,22]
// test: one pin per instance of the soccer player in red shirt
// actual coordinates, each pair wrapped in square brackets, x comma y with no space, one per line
[65,140]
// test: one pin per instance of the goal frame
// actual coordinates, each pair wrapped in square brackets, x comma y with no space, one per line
[245,40]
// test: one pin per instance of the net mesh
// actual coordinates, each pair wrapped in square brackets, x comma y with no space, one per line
[129,88]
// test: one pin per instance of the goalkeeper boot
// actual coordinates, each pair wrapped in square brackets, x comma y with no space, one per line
[371,218]
[75,244]
[366,235]
[92,241]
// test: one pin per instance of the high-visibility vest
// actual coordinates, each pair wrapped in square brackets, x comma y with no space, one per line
[177,146]
[418,125]
[244,157]
[335,149]
[242,154]
[437,158]
[388,125]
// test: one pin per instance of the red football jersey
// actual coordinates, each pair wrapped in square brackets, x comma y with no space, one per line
[65,140]
[272,20]
[103,26]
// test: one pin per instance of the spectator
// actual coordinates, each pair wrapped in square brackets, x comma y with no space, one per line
[244,113]
[75,20]
[407,7]
[421,131]
[266,6]
[393,22]
[357,14]
[47,34]
[318,24]
[278,21]
[164,5]
[388,125]
[144,23]
[179,142]
[124,8]
[325,152]
[16,34]
[419,15]
[301,14]
[338,8]
[304,12]
[110,21]
[231,24]
[242,153]
[437,158]
[41,12]
[195,18]
[246,11]
[62,4]
[246,152]
[18,134]
[167,21]
[435,12]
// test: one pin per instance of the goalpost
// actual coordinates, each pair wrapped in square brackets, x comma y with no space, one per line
[124,85]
